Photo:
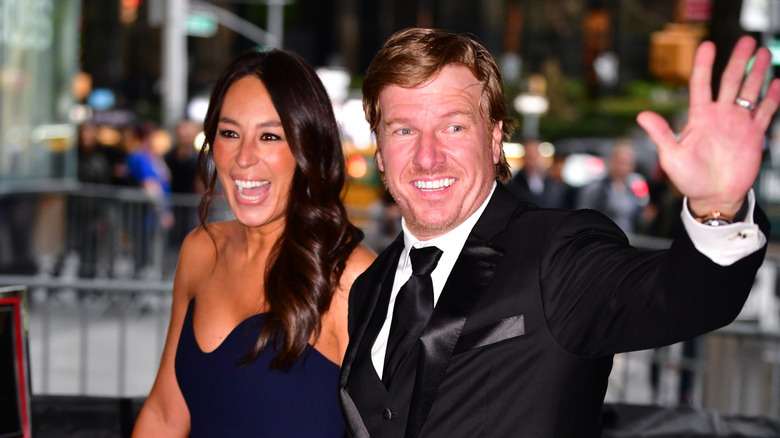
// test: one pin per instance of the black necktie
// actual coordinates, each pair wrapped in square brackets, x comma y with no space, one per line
[413,308]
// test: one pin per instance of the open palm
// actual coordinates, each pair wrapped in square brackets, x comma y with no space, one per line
[716,158]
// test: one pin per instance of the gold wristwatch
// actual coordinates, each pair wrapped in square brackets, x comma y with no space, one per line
[717,219]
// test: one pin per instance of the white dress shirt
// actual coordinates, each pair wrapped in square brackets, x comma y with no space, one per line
[727,244]
[451,244]
[724,245]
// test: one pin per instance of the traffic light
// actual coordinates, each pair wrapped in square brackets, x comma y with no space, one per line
[672,51]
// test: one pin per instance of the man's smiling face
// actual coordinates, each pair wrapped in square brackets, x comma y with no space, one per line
[436,150]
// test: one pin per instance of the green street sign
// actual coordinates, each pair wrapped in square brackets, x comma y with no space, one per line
[201,24]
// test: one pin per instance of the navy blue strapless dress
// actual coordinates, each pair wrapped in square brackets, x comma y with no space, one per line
[255,401]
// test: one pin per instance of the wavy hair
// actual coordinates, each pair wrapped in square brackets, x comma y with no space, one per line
[413,56]
[307,261]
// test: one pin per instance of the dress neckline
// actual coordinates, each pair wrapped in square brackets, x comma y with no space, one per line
[191,327]
[191,317]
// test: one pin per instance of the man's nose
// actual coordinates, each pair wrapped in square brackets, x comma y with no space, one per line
[429,151]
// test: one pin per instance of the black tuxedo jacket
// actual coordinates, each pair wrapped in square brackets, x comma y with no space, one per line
[520,343]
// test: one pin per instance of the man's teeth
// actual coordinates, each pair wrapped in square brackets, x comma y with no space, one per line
[438,184]
[241,185]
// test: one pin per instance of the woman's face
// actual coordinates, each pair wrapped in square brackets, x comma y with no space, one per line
[251,154]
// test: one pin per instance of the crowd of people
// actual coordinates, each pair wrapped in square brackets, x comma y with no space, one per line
[637,203]
[139,155]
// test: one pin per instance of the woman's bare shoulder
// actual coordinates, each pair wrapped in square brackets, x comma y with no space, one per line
[359,260]
[207,239]
[335,320]
[199,251]
[197,243]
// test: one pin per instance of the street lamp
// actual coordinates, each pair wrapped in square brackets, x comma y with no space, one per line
[532,105]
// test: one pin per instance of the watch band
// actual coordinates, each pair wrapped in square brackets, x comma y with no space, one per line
[717,219]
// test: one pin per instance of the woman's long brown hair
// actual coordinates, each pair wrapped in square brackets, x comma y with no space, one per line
[307,261]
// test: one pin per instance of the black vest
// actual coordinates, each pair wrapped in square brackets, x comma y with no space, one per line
[384,411]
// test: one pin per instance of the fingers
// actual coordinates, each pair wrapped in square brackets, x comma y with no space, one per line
[701,75]
[766,109]
[731,82]
[657,128]
[751,89]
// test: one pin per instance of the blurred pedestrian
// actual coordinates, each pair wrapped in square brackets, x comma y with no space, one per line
[613,194]
[117,154]
[532,183]
[93,164]
[87,213]
[147,170]
[182,161]
[17,211]
[569,198]
[182,158]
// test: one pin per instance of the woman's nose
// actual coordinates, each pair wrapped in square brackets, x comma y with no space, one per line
[247,154]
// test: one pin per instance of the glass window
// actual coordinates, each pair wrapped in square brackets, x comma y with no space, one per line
[39,42]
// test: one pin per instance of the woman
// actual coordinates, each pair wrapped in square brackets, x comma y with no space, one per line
[258,323]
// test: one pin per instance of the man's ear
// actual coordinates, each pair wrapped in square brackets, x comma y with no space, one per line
[378,158]
[498,136]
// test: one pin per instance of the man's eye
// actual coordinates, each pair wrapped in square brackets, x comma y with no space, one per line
[269,137]
[404,131]
[456,128]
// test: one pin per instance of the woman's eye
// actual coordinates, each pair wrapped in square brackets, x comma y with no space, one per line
[269,137]
[227,133]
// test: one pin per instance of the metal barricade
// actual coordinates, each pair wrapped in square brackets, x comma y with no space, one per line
[99,299]
[118,232]
[96,337]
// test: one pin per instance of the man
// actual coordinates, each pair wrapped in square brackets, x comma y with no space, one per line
[182,158]
[534,184]
[182,161]
[613,195]
[531,304]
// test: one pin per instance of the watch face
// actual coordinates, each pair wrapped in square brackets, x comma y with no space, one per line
[716,222]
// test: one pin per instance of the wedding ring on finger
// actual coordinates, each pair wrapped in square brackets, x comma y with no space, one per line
[744,103]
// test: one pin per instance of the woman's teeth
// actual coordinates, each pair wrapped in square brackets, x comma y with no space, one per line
[248,185]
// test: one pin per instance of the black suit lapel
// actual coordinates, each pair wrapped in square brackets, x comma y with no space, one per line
[365,329]
[471,275]
[386,264]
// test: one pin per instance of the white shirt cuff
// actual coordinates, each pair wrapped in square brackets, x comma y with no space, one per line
[725,244]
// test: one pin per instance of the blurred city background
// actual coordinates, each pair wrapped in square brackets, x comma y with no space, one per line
[90,87]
